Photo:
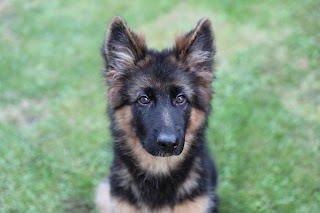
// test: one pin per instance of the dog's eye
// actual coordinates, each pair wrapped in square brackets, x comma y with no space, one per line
[144,100]
[180,99]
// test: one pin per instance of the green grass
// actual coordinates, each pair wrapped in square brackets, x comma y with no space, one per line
[264,130]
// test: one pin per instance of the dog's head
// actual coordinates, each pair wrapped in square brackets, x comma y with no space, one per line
[162,96]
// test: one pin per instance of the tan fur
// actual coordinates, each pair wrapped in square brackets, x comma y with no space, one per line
[148,162]
[196,119]
[197,205]
[123,207]
[123,119]
[145,209]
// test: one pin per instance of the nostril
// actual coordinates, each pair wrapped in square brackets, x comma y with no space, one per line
[167,142]
[162,144]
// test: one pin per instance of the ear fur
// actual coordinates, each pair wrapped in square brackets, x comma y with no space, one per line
[196,48]
[122,48]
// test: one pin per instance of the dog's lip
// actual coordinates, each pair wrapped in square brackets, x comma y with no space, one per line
[166,154]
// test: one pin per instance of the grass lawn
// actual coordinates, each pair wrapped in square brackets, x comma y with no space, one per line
[265,126]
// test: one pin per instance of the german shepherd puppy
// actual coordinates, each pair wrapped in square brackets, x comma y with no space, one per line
[158,104]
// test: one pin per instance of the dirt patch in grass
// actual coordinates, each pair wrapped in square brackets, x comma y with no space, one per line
[27,111]
[304,101]
[78,206]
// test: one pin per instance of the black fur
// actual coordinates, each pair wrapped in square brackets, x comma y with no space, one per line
[161,90]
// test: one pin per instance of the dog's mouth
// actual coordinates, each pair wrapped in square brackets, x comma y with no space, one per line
[164,152]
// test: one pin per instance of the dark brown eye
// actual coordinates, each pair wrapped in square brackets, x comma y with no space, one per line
[180,99]
[144,100]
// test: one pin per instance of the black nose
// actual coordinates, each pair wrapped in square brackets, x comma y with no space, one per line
[167,142]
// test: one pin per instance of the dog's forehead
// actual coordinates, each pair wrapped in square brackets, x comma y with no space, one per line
[161,74]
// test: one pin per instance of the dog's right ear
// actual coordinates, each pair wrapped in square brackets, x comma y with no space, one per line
[122,48]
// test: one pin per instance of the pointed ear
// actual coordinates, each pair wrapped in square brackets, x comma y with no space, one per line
[196,48]
[122,48]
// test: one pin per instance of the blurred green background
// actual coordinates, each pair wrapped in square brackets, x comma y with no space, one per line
[265,127]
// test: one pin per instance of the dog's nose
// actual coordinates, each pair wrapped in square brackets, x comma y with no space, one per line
[167,142]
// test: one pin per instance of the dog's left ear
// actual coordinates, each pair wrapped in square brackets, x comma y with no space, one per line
[196,49]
